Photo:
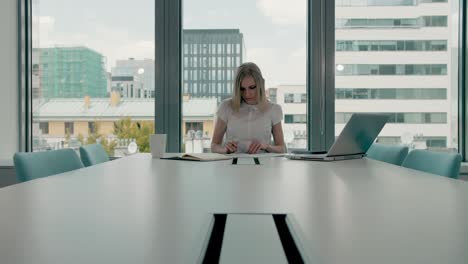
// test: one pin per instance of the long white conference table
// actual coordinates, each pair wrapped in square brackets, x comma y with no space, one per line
[143,210]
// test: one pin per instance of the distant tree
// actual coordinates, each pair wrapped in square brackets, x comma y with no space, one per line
[140,131]
[95,137]
[67,136]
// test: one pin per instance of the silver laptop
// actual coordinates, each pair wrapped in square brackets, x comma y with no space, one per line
[353,142]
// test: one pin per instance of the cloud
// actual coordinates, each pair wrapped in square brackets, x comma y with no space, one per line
[291,12]
[42,27]
[142,49]
[45,20]
[113,43]
[299,52]
[276,68]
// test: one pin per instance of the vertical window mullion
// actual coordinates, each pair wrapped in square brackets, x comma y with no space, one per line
[24,75]
[462,80]
[321,74]
[168,112]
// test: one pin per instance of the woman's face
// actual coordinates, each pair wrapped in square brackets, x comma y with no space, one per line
[249,90]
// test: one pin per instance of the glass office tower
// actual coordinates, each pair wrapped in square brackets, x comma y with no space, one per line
[210,59]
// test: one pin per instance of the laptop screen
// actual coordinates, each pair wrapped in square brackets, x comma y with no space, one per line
[358,134]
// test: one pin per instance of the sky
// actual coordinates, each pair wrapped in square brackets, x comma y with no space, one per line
[274,30]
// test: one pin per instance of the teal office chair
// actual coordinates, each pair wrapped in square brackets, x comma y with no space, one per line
[394,154]
[33,165]
[93,154]
[440,163]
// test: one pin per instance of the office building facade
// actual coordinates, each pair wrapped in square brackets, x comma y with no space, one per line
[71,72]
[36,74]
[396,57]
[129,87]
[134,78]
[62,120]
[210,58]
[393,57]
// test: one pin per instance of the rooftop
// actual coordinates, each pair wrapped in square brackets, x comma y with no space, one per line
[101,108]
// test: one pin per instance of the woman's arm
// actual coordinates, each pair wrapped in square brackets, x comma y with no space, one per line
[217,140]
[278,137]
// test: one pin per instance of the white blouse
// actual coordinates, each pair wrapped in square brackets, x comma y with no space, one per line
[249,123]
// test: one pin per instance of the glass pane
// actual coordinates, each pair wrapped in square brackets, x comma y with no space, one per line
[93,74]
[233,33]
[407,68]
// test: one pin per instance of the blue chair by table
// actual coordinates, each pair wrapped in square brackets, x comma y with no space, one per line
[33,165]
[440,163]
[93,154]
[394,154]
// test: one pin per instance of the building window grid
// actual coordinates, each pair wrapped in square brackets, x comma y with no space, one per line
[424,21]
[401,117]
[346,3]
[194,126]
[215,66]
[295,119]
[392,93]
[391,45]
[295,98]
[392,69]
[431,142]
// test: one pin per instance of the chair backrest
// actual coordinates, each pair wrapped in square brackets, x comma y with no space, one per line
[93,154]
[440,163]
[33,165]
[394,154]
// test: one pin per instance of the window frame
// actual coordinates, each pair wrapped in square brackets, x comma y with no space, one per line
[44,127]
[462,79]
[24,57]
[168,67]
[69,127]
[168,84]
[320,72]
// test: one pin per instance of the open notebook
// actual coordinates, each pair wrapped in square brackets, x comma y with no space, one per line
[197,156]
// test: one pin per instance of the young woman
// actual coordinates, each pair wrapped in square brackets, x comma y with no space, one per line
[248,119]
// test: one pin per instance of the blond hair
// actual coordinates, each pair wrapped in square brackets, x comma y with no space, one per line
[244,70]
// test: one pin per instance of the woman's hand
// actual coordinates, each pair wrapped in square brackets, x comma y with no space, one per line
[231,147]
[256,146]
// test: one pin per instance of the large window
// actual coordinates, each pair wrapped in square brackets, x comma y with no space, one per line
[95,80]
[92,74]
[404,67]
[217,37]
